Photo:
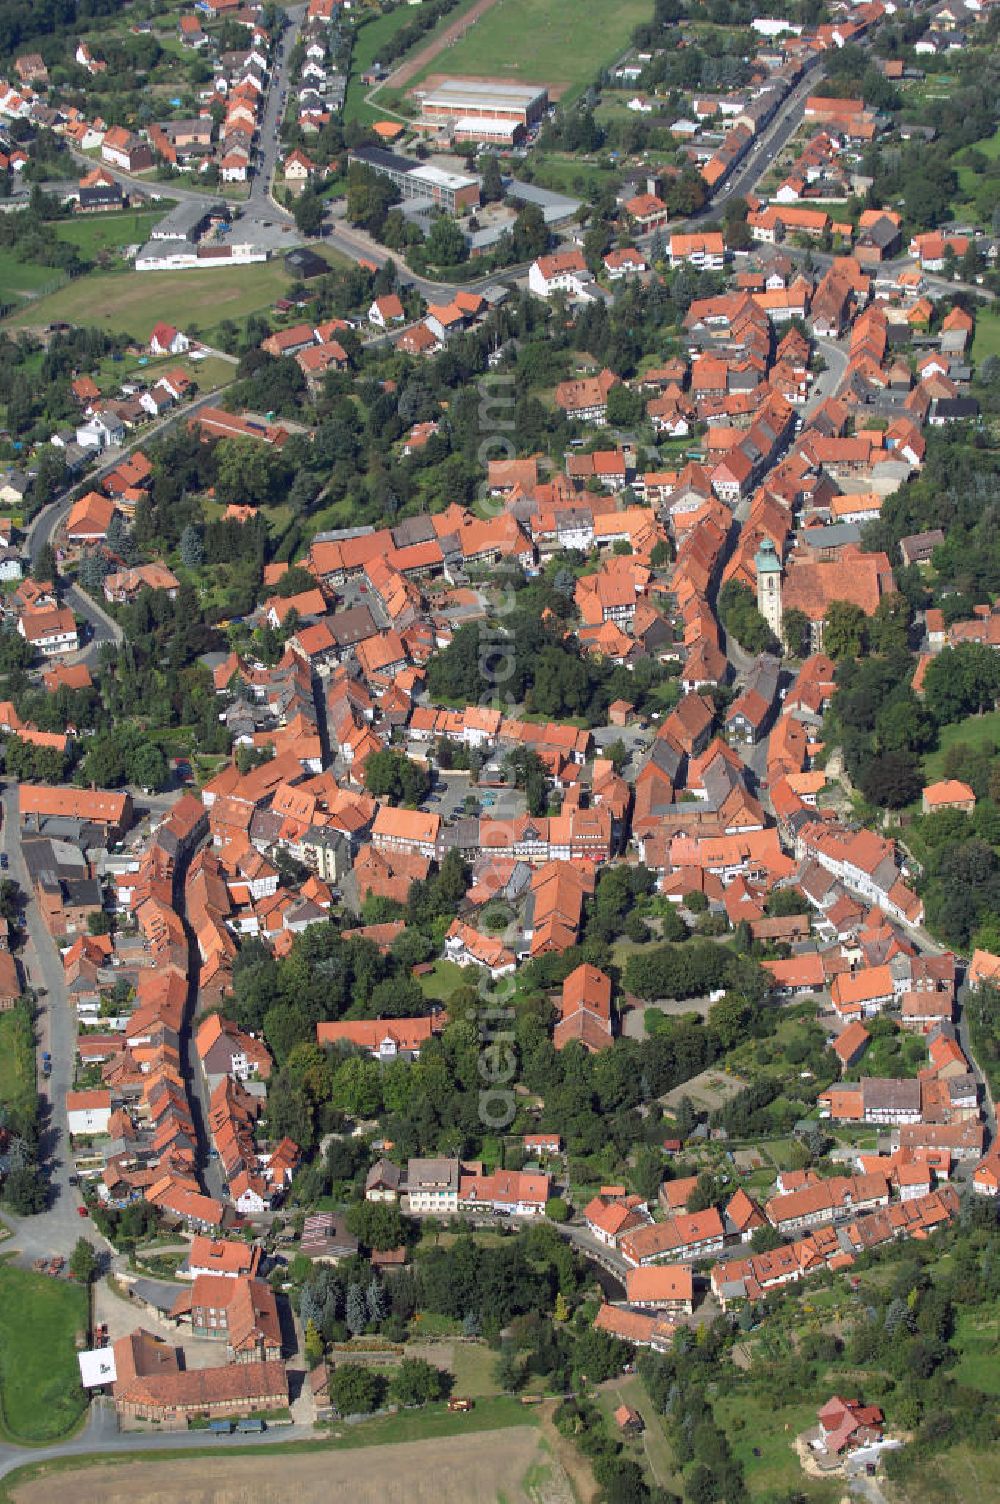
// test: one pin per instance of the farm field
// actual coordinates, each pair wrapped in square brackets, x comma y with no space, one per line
[543,42]
[477,1468]
[40,1394]
[132,302]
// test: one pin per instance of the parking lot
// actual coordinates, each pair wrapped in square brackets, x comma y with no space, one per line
[450,791]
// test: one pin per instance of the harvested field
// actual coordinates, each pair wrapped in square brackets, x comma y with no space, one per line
[512,1464]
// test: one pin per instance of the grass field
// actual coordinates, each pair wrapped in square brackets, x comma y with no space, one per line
[570,174]
[960,1475]
[755,1426]
[473,1363]
[975,730]
[17,1060]
[22,276]
[368,43]
[440,983]
[651,1450]
[544,42]
[93,233]
[40,1394]
[986,340]
[977,1338]
[132,302]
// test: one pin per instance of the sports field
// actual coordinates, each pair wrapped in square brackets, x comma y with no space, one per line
[132,302]
[543,42]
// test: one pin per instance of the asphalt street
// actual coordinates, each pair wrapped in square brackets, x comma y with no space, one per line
[57,1228]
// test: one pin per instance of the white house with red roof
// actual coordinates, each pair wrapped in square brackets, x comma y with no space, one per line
[166,340]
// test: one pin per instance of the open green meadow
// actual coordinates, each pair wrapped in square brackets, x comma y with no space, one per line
[368,43]
[986,340]
[40,1394]
[543,42]
[18,1084]
[441,982]
[132,302]
[974,731]
[959,1475]
[94,233]
[20,279]
[977,1337]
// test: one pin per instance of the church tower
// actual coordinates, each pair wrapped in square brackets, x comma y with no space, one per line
[768,567]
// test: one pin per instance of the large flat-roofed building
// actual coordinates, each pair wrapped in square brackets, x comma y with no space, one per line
[483,99]
[452,191]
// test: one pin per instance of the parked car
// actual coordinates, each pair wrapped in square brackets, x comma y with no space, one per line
[82,1211]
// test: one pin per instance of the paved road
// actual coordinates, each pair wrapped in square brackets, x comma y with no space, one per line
[103,627]
[964,1039]
[827,383]
[769,144]
[57,1228]
[260,200]
[259,205]
[584,1241]
[100,1435]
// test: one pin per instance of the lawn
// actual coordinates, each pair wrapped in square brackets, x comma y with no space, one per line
[22,276]
[974,730]
[977,1337]
[960,1475]
[571,175]
[543,42]
[93,233]
[986,340]
[40,1394]
[473,1363]
[440,983]
[368,42]
[17,1059]
[132,302]
[435,1420]
[651,1450]
[754,1426]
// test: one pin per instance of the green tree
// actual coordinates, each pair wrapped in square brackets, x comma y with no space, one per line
[415,1382]
[892,780]
[308,212]
[491,190]
[355,1390]
[795,632]
[445,245]
[625,407]
[844,635]
[313,1344]
[191,548]
[83,1261]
